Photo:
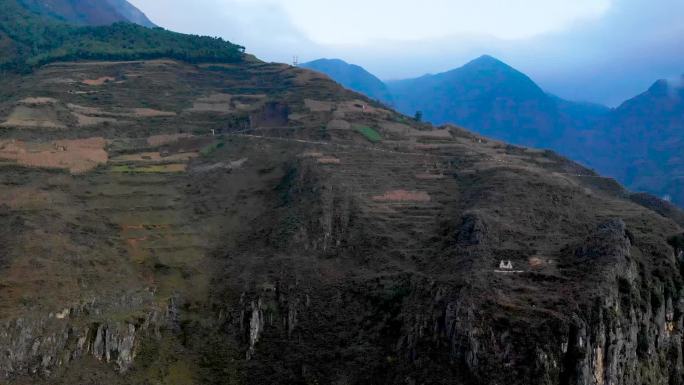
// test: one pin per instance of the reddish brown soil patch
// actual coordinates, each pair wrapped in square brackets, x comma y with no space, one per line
[151,113]
[318,105]
[160,140]
[403,196]
[311,154]
[328,160]
[536,263]
[213,103]
[38,101]
[98,81]
[78,156]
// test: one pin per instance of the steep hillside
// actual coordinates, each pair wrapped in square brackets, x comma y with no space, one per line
[89,12]
[28,40]
[353,77]
[178,222]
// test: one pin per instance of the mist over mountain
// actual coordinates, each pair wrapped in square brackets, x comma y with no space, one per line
[487,95]
[605,56]
[353,77]
[648,133]
[89,12]
[639,142]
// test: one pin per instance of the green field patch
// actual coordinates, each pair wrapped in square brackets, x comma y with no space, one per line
[210,149]
[161,168]
[369,133]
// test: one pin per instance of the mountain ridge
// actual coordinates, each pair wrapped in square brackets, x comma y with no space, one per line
[353,77]
[89,12]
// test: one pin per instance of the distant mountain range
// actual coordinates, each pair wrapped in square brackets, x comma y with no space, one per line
[639,143]
[89,12]
[353,77]
[648,133]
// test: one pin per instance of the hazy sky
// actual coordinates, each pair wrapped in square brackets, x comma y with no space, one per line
[596,50]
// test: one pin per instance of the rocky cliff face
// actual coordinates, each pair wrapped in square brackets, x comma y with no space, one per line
[44,344]
[607,318]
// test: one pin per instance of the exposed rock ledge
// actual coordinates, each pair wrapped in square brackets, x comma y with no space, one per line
[40,344]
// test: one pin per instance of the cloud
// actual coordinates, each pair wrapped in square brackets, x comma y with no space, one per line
[613,58]
[595,50]
[362,21]
[605,60]
[264,27]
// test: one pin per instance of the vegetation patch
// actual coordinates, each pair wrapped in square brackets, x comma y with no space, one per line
[98,113]
[210,149]
[25,198]
[40,41]
[162,168]
[214,103]
[152,157]
[78,156]
[33,117]
[369,133]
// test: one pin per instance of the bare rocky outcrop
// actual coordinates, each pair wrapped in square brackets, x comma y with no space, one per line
[37,344]
[472,230]
[615,339]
